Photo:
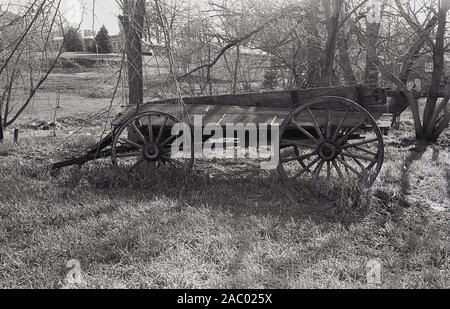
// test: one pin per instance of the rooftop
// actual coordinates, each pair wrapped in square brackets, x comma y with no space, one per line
[7,17]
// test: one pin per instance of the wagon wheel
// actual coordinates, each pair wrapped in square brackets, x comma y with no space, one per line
[147,140]
[333,139]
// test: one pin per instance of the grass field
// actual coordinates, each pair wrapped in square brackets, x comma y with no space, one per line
[232,230]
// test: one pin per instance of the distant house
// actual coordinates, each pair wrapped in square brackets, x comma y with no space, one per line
[253,64]
[428,66]
[89,40]
[421,75]
[7,18]
[118,44]
[88,34]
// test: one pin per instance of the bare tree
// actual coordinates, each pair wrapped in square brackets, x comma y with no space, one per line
[435,117]
[433,126]
[420,39]
[28,56]
[373,31]
[133,19]
[333,15]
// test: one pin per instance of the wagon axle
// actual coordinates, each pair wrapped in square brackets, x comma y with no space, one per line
[328,151]
[152,152]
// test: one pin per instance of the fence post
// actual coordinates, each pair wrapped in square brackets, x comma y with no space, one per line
[16,136]
[2,135]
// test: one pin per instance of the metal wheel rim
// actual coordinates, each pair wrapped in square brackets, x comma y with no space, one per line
[158,142]
[316,168]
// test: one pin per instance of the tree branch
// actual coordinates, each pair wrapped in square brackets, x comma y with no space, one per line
[234,43]
[35,89]
[394,79]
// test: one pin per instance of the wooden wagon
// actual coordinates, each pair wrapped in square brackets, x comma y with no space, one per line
[333,134]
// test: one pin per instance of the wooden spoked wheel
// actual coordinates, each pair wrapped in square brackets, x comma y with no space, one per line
[148,139]
[332,139]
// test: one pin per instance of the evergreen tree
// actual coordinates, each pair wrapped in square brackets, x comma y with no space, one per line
[271,79]
[103,41]
[73,42]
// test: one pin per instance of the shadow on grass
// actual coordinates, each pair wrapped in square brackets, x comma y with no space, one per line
[448,182]
[416,154]
[257,193]
[435,158]
[118,216]
[436,154]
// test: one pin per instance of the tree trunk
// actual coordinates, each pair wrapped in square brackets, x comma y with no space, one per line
[344,61]
[330,47]
[236,68]
[392,78]
[414,52]
[399,105]
[2,99]
[438,70]
[372,72]
[314,50]
[2,137]
[210,85]
[133,25]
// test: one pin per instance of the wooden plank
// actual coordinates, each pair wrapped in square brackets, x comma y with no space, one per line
[301,96]
[378,109]
[267,99]
[416,94]
[287,99]
[352,119]
[213,114]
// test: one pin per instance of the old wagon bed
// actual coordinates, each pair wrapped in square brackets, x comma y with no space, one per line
[226,114]
[334,134]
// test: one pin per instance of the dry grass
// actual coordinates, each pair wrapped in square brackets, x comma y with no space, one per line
[230,231]
[245,231]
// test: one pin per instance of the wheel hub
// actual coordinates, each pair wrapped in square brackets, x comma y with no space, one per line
[328,151]
[152,152]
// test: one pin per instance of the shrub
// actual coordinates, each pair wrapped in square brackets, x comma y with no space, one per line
[271,79]
[73,42]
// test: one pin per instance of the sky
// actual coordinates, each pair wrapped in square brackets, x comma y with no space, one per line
[77,11]
[106,12]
